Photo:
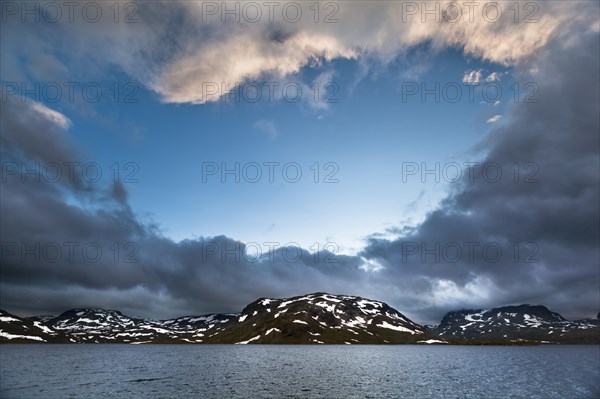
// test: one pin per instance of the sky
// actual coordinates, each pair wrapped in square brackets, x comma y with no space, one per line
[171,158]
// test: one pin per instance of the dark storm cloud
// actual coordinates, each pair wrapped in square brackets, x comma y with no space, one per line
[558,210]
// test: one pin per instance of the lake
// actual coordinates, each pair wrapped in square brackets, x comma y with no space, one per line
[280,371]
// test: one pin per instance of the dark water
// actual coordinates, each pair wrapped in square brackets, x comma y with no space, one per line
[206,371]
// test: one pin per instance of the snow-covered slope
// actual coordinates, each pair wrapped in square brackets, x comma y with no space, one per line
[99,325]
[523,322]
[319,318]
[22,330]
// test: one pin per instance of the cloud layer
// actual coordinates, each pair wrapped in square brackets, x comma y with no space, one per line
[178,49]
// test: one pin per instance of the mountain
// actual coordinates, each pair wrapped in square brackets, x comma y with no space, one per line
[317,318]
[310,319]
[517,323]
[101,326]
[22,330]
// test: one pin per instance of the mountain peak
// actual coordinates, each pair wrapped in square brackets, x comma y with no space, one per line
[513,322]
[320,318]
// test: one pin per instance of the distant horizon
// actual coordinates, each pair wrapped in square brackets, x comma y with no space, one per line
[182,157]
[295,296]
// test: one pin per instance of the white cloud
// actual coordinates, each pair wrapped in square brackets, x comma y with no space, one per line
[475,292]
[215,68]
[51,115]
[493,77]
[494,119]
[472,77]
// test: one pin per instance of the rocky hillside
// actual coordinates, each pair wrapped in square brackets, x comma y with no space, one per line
[514,323]
[311,319]
[22,330]
[99,325]
[319,318]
